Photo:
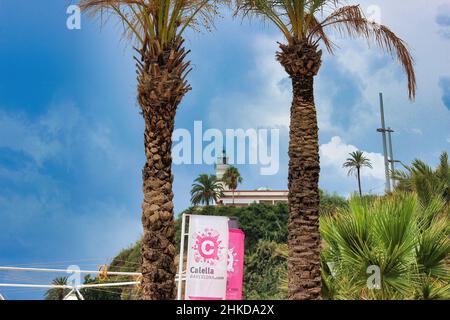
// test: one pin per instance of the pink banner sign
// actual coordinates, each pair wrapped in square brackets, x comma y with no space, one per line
[206,272]
[235,264]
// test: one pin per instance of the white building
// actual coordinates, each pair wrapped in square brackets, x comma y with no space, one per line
[246,197]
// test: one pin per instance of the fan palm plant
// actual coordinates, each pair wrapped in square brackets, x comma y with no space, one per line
[355,163]
[405,241]
[156,29]
[206,189]
[305,24]
[232,178]
[424,180]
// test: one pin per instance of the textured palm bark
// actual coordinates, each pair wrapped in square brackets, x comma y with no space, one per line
[161,86]
[302,62]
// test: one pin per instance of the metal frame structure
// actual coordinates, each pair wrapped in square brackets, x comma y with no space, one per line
[74,289]
[113,273]
[389,161]
[383,131]
[180,278]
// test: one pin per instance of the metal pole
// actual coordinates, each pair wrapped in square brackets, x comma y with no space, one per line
[40,286]
[62,286]
[180,261]
[391,153]
[68,295]
[115,273]
[111,284]
[136,274]
[383,132]
[80,296]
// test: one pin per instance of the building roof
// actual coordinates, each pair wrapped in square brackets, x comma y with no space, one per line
[255,194]
[257,191]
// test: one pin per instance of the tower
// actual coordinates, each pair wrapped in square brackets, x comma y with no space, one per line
[222,166]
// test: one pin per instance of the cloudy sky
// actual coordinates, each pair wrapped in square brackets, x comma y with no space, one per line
[71,135]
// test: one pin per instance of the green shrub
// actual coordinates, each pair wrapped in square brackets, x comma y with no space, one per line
[407,241]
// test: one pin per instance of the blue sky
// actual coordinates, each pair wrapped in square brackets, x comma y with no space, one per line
[71,135]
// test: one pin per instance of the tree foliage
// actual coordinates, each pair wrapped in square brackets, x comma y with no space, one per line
[258,221]
[232,178]
[128,260]
[406,240]
[265,226]
[206,189]
[314,21]
[427,182]
[161,20]
[355,163]
[57,293]
[265,274]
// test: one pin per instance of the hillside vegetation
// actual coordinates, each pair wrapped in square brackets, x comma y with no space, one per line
[265,227]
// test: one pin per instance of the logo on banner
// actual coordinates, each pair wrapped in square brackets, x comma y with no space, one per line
[208,248]
[232,260]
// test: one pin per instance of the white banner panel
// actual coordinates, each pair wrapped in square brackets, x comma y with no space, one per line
[206,271]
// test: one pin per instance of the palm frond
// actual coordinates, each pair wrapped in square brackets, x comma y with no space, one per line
[163,20]
[206,189]
[433,249]
[232,177]
[391,234]
[351,21]
[356,161]
[267,10]
[424,180]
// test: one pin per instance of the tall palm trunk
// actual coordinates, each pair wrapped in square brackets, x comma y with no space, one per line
[302,62]
[161,87]
[359,181]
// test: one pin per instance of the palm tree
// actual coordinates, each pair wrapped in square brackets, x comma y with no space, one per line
[305,24]
[156,29]
[232,178]
[57,293]
[424,180]
[206,189]
[355,163]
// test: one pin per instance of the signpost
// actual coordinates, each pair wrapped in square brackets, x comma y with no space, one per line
[235,264]
[215,259]
[206,270]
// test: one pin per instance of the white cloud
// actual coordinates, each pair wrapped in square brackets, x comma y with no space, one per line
[346,94]
[265,106]
[21,136]
[269,104]
[432,62]
[42,138]
[417,131]
[334,153]
[372,71]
